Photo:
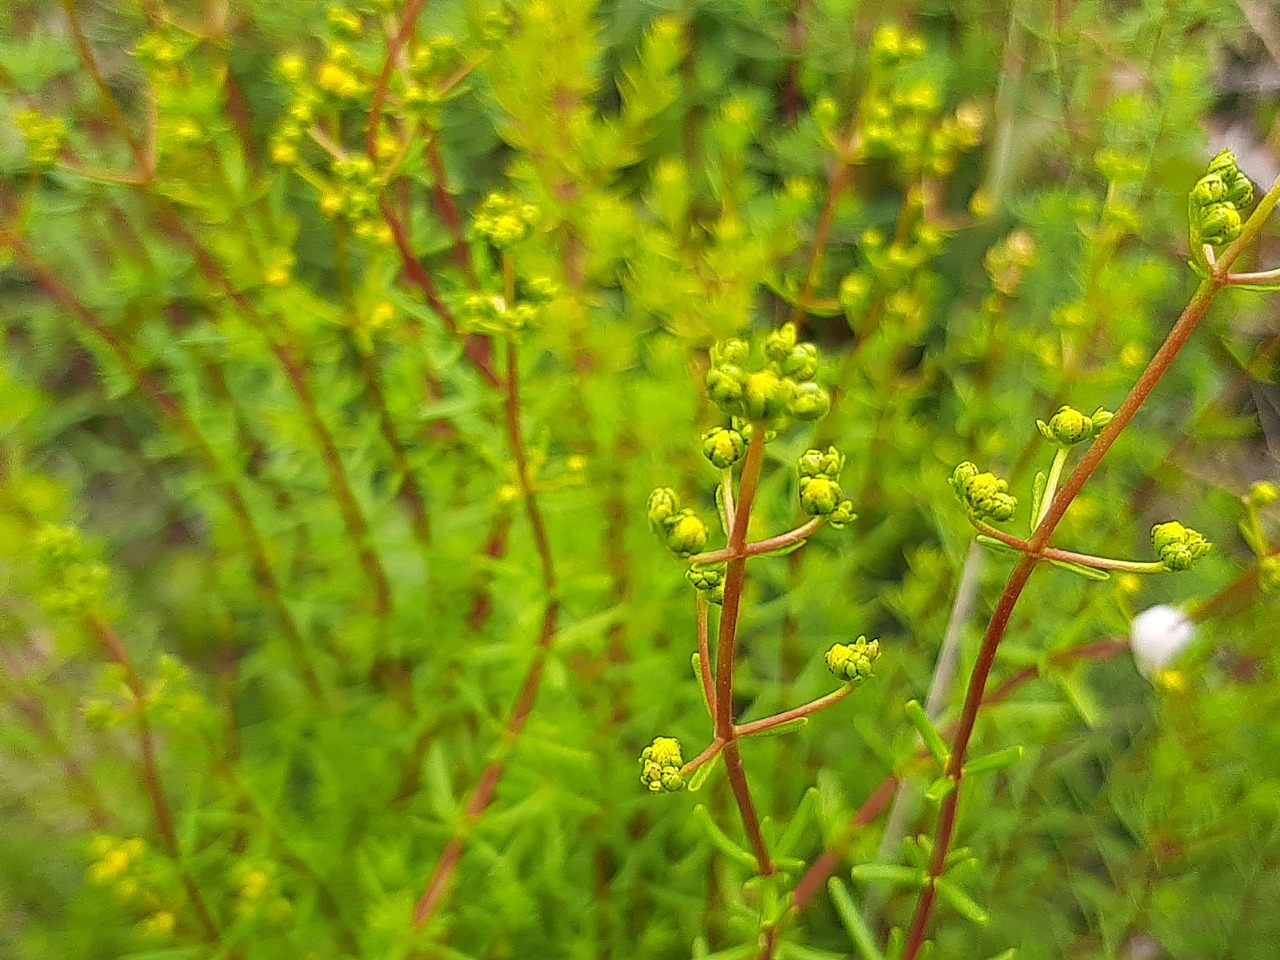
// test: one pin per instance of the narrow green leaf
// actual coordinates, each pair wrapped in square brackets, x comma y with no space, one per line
[851,917]
[720,510]
[994,761]
[720,840]
[783,551]
[1082,699]
[1037,495]
[1089,573]
[697,676]
[939,789]
[892,874]
[895,944]
[1010,954]
[699,776]
[791,726]
[796,951]
[800,821]
[964,905]
[999,546]
[932,739]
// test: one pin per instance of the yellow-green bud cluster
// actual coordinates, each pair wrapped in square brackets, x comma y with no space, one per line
[112,860]
[1178,547]
[74,582]
[158,55]
[901,111]
[258,891]
[43,136]
[1218,200]
[1008,261]
[820,493]
[504,221]
[852,662]
[984,495]
[660,764]
[897,267]
[490,313]
[354,198]
[707,580]
[723,446]
[781,389]
[680,530]
[1069,426]
[285,146]
[341,75]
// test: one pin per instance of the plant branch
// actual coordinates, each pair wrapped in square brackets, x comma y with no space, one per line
[110,106]
[482,794]
[996,626]
[161,811]
[813,706]
[798,535]
[264,574]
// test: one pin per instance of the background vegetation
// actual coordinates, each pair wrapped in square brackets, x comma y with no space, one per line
[321,639]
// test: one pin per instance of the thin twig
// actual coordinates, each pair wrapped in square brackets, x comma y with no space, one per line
[482,794]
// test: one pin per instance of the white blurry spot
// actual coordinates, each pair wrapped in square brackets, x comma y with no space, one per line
[1157,636]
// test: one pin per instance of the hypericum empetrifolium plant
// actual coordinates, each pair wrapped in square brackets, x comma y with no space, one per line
[762,394]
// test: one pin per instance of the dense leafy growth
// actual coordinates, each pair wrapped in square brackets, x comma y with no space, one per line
[373,377]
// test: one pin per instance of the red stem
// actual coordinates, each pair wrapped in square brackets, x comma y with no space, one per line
[482,794]
[151,782]
[998,623]
[813,706]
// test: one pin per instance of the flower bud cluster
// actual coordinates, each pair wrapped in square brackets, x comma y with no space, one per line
[896,267]
[680,529]
[820,492]
[1178,547]
[354,199]
[781,389]
[852,662]
[503,221]
[258,891]
[1218,200]
[984,495]
[901,112]
[43,136]
[707,580]
[75,582]
[1069,426]
[490,313]
[660,764]
[723,446]
[1008,261]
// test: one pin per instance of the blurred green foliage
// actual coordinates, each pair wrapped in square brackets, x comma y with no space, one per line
[253,435]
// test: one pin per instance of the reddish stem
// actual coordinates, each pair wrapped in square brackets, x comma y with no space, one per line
[151,782]
[482,794]
[813,706]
